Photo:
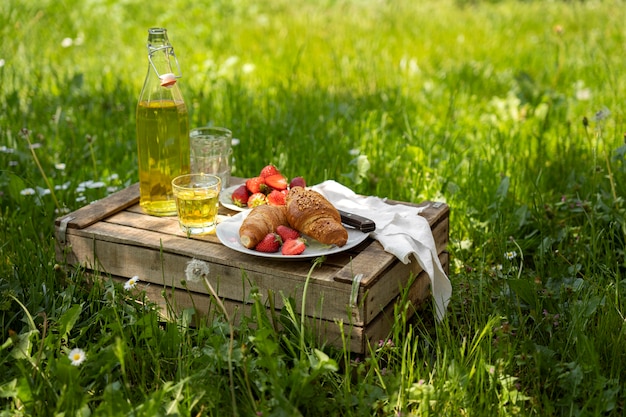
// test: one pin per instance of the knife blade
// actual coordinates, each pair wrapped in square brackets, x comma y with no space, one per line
[358,222]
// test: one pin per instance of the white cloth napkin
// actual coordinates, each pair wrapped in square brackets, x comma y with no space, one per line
[401,232]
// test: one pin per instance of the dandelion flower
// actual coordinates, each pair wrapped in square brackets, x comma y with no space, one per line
[196,270]
[131,283]
[77,356]
[510,255]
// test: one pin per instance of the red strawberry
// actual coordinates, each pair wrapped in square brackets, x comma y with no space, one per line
[276,198]
[276,181]
[270,243]
[286,233]
[256,199]
[293,247]
[254,184]
[268,171]
[240,196]
[297,182]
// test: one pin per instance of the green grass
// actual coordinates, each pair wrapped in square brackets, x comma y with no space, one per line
[509,111]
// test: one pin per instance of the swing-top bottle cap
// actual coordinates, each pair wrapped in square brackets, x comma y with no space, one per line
[158,41]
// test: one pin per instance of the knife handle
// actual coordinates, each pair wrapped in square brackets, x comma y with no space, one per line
[361,223]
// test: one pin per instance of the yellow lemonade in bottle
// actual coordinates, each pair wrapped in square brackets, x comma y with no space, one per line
[163,150]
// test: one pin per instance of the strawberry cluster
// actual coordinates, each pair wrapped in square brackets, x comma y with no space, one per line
[269,187]
[285,239]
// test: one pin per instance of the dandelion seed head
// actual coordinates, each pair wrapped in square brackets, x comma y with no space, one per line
[602,114]
[197,270]
[67,42]
[77,356]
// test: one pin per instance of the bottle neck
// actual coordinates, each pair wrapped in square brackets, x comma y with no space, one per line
[159,52]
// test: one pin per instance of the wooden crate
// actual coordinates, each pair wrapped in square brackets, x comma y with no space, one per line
[114,237]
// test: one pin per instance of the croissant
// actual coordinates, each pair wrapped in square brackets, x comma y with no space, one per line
[262,220]
[312,214]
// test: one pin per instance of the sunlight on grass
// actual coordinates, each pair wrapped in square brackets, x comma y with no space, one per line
[508,111]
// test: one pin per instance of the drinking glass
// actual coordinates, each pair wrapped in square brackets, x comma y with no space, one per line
[197,202]
[211,152]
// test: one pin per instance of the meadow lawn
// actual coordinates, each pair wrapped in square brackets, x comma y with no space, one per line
[511,112]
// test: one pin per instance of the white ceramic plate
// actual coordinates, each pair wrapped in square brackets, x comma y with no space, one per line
[228,233]
[226,199]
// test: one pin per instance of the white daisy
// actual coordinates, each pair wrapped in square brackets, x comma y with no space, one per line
[510,255]
[131,283]
[77,356]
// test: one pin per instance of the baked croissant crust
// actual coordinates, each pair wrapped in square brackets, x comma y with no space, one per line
[312,214]
[262,220]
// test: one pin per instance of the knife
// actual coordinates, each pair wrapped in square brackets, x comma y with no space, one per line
[359,222]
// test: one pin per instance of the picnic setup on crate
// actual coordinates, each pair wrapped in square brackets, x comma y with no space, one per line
[188,231]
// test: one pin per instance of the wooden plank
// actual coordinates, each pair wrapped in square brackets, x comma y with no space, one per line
[101,209]
[392,282]
[166,267]
[204,249]
[369,263]
[326,331]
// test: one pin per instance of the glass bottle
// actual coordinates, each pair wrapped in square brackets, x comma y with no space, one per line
[162,129]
